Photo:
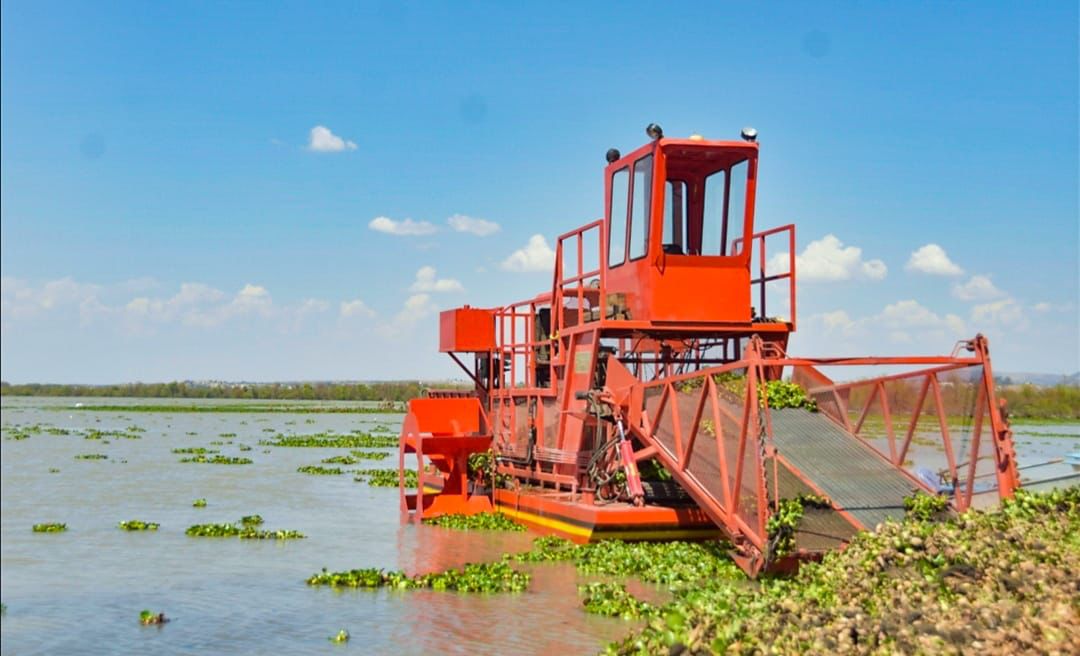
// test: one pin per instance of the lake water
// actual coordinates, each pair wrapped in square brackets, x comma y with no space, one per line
[81,591]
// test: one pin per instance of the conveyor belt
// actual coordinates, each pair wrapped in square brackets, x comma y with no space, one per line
[844,468]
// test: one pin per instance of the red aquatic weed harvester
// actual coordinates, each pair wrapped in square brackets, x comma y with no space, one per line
[649,393]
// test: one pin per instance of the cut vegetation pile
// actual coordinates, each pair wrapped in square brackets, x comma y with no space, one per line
[998,582]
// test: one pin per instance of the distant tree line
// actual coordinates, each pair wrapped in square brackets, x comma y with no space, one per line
[1030,401]
[382,391]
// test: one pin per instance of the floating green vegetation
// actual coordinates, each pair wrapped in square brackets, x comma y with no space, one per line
[370,455]
[612,600]
[201,450]
[485,521]
[226,435]
[95,434]
[50,528]
[317,470]
[198,503]
[242,530]
[354,440]
[135,429]
[924,507]
[668,563]
[54,470]
[341,460]
[91,456]
[245,447]
[474,577]
[342,636]
[219,460]
[385,477]
[149,617]
[139,525]
[1004,579]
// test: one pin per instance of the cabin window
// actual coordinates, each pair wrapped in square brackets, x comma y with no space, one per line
[620,192]
[736,208]
[675,215]
[712,226]
[639,209]
[724,211]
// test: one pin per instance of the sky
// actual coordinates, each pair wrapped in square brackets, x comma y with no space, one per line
[292,191]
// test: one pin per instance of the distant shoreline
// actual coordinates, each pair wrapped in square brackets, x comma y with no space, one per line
[1027,404]
[382,392]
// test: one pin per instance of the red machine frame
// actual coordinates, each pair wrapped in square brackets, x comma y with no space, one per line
[606,354]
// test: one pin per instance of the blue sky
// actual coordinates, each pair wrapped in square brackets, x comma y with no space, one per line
[190,190]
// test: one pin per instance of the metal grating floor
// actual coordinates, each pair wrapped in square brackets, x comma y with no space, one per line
[849,472]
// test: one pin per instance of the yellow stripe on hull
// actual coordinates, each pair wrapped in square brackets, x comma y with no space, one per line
[601,532]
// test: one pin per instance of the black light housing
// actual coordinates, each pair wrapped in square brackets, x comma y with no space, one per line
[613,155]
[749,133]
[654,131]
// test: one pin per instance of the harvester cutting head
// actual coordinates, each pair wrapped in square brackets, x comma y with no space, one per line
[642,396]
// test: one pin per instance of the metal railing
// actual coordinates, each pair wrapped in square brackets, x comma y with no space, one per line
[764,277]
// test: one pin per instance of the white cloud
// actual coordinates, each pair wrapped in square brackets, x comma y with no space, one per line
[417,308]
[21,300]
[536,255]
[903,321]
[355,308]
[405,228]
[1042,307]
[322,140]
[838,321]
[1006,313]
[933,260]
[427,281]
[978,288]
[827,259]
[478,227]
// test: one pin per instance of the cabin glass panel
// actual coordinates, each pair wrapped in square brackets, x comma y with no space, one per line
[675,217]
[639,209]
[620,192]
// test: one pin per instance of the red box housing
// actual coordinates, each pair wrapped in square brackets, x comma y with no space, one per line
[466,330]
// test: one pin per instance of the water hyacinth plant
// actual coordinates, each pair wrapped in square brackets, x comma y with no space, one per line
[138,525]
[198,503]
[149,617]
[473,577]
[612,600]
[924,507]
[342,636]
[370,455]
[354,440]
[485,521]
[1002,579]
[219,460]
[50,528]
[385,477]
[91,456]
[201,450]
[245,529]
[318,470]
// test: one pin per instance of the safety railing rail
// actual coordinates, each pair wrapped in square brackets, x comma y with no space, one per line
[576,284]
[764,276]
